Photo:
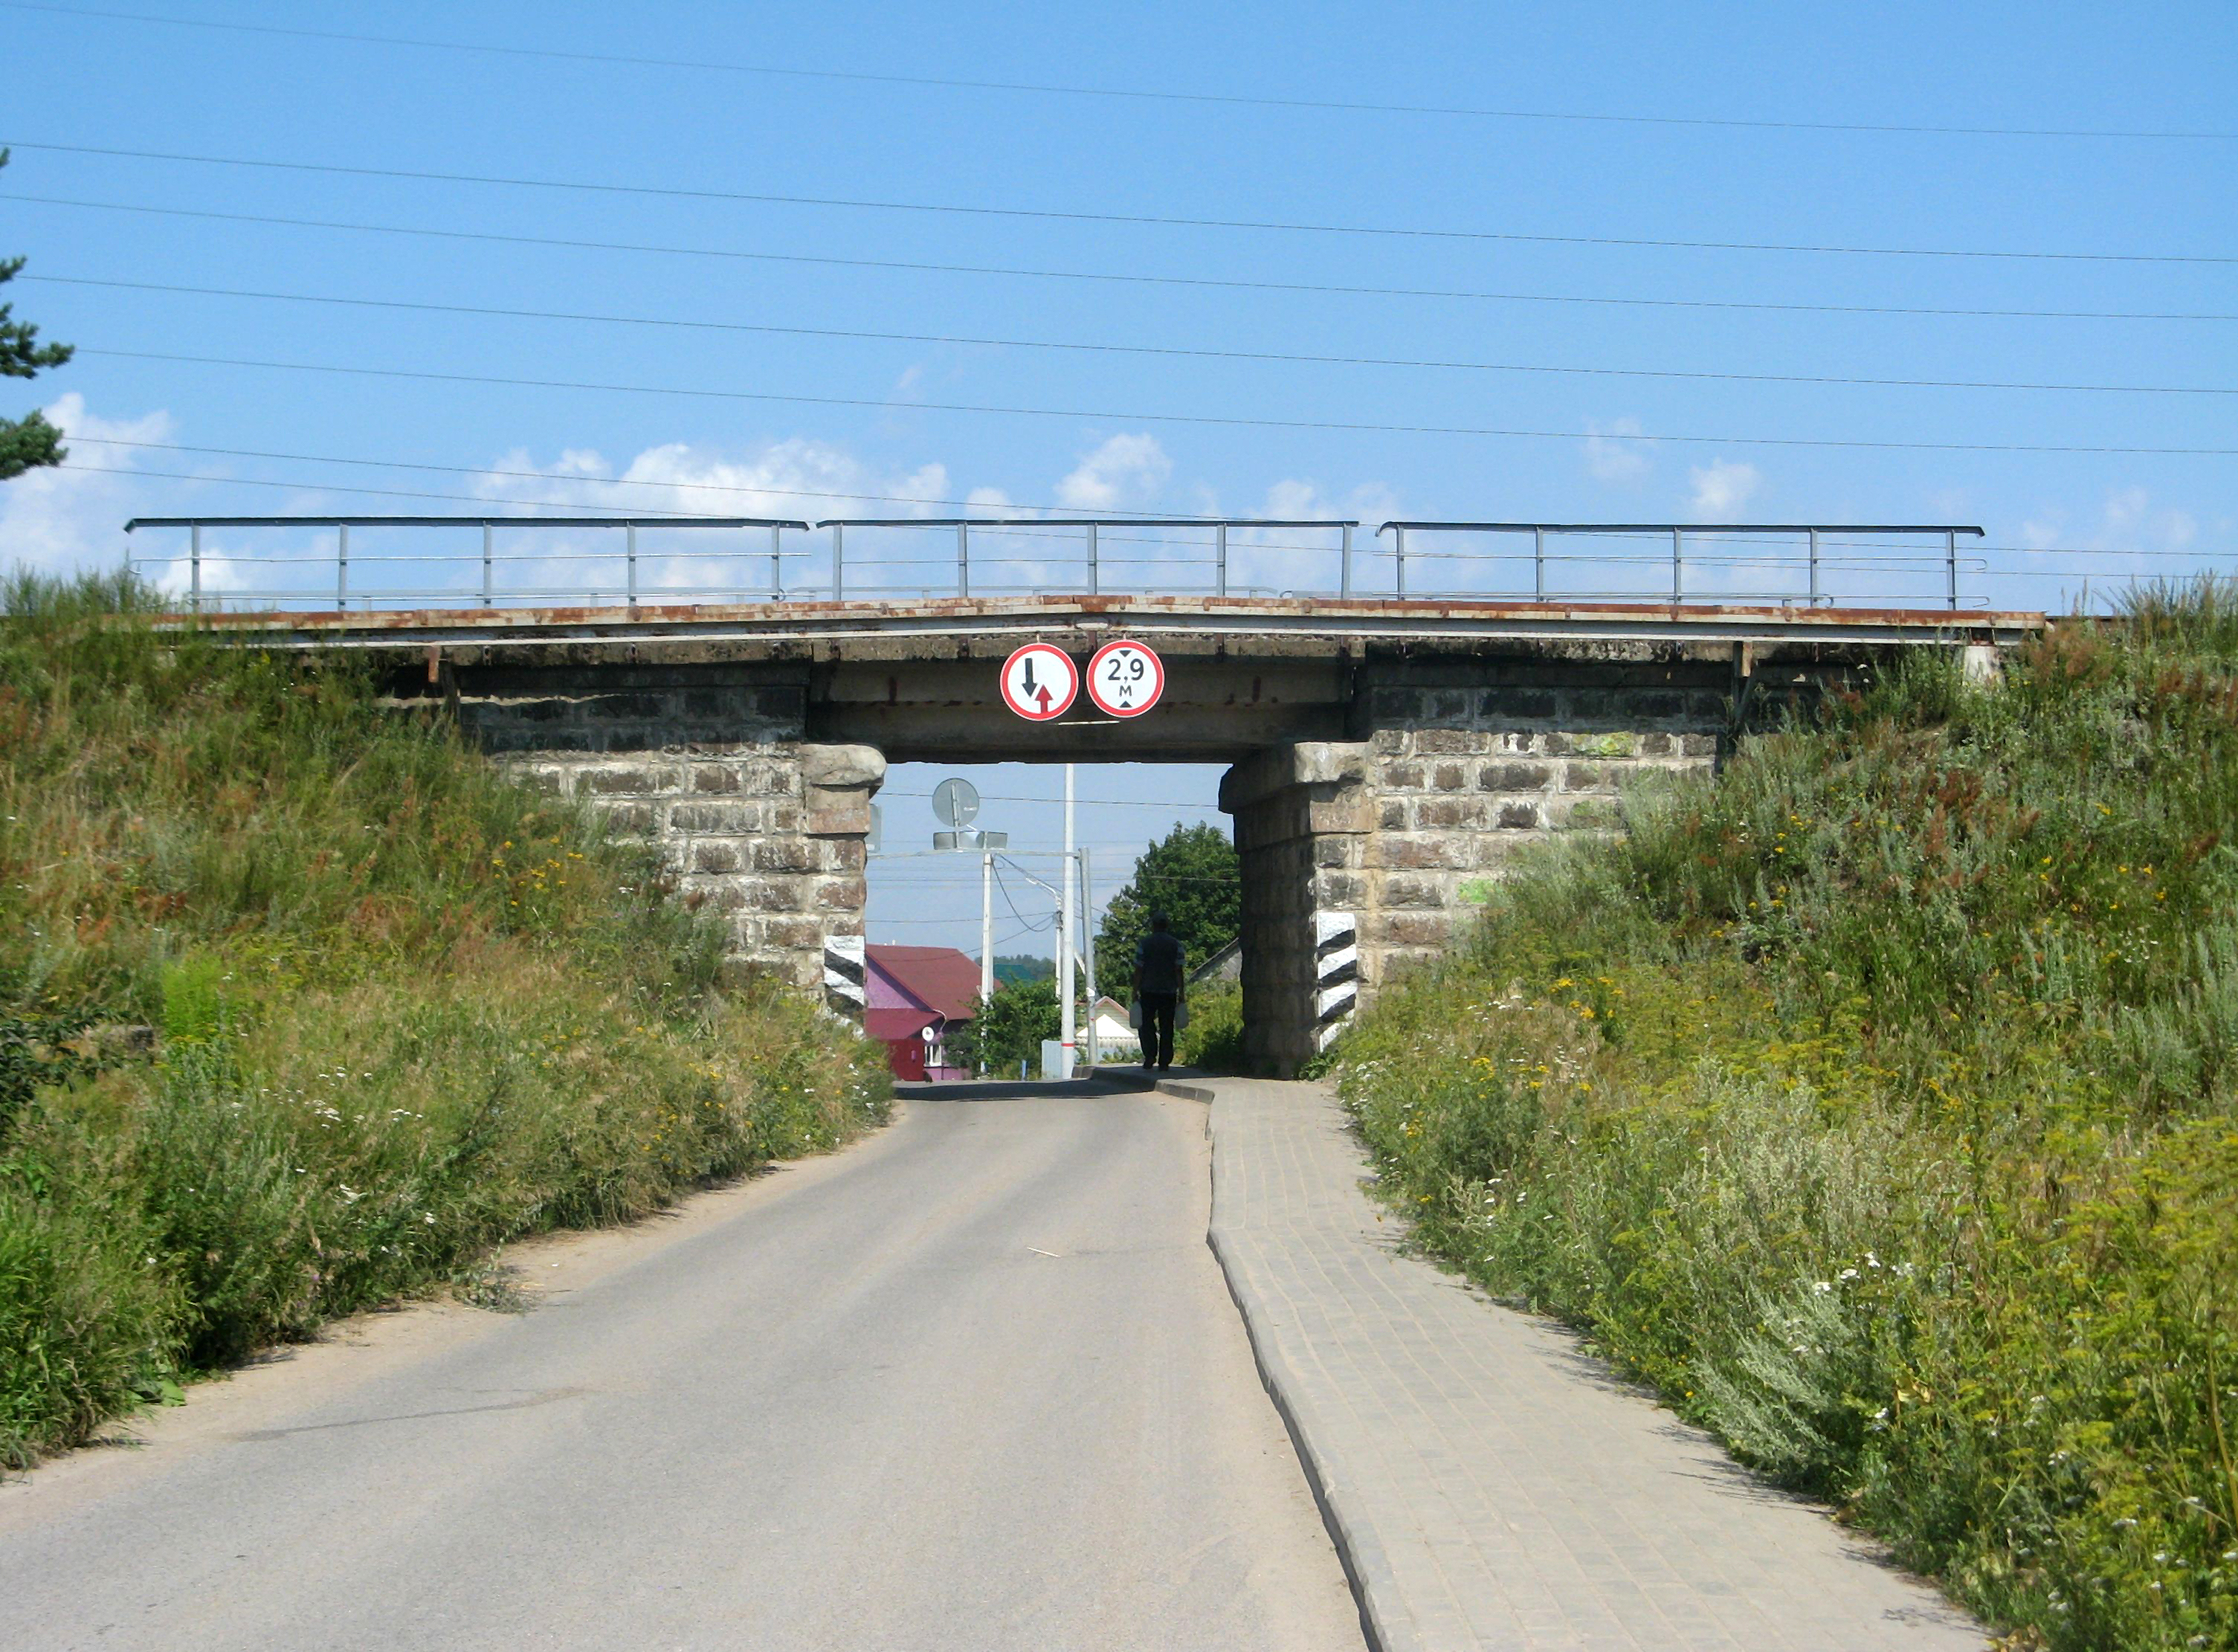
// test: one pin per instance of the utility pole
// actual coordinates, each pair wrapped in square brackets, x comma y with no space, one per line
[986,926]
[1067,1027]
[1087,935]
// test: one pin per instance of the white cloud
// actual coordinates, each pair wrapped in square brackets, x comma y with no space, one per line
[1294,500]
[2044,530]
[1301,559]
[1610,457]
[2131,538]
[796,479]
[2129,523]
[70,517]
[1127,472]
[1722,490]
[1369,504]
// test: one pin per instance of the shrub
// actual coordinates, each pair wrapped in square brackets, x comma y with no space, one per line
[1214,1038]
[86,1321]
[1008,1029]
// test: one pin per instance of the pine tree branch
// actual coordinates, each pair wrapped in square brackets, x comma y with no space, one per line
[26,443]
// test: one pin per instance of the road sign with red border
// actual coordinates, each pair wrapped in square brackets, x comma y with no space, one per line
[1126,677]
[1039,681]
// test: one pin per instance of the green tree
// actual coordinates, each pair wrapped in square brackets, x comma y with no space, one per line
[1192,876]
[1009,1029]
[1022,966]
[30,441]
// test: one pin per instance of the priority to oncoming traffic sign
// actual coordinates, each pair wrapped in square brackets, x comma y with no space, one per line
[1039,681]
[1126,678]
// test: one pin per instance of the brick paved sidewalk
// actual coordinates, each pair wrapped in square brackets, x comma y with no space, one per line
[1491,1485]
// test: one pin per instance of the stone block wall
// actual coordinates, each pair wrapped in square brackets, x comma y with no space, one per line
[752,822]
[1363,858]
[1460,781]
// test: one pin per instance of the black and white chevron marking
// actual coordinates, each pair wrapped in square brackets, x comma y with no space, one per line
[842,971]
[1337,972]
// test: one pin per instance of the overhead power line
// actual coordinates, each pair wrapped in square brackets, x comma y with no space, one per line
[382,493]
[1179,520]
[1231,100]
[1216,282]
[1229,421]
[1187,352]
[1052,214]
[534,476]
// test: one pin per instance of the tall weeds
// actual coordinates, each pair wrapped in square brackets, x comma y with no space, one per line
[390,1011]
[1875,1100]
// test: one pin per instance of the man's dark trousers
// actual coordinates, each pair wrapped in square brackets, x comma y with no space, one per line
[1158,1029]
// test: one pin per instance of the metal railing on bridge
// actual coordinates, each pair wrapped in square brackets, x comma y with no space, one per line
[313,564]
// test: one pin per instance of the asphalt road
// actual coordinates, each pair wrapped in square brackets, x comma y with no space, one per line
[976,1383]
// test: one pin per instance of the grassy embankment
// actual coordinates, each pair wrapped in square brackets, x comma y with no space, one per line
[1875,1102]
[405,1011]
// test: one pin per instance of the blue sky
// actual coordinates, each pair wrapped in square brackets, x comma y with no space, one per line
[2135,205]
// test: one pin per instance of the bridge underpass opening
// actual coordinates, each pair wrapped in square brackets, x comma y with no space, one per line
[928,908]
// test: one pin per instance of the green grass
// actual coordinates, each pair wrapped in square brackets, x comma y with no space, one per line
[1874,1101]
[403,1011]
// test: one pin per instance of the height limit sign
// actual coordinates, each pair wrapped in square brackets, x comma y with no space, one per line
[1125,678]
[1039,681]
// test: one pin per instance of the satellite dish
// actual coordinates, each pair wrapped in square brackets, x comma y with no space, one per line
[956,803]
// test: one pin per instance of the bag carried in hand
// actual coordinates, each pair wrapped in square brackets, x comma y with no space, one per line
[1134,1014]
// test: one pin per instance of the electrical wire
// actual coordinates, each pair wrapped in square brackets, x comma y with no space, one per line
[1212,281]
[1052,214]
[1226,421]
[1003,889]
[1234,100]
[1190,353]
[1179,520]
[382,493]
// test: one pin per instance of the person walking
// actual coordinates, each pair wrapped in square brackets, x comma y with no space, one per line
[1161,972]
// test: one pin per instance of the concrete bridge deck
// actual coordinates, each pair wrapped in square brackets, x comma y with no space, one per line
[1177,620]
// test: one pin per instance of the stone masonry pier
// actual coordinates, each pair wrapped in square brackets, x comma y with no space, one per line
[1362,857]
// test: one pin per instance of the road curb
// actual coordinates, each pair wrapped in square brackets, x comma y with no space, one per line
[1187,1091]
[1384,1621]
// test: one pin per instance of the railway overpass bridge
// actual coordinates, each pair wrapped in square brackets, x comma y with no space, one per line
[1387,755]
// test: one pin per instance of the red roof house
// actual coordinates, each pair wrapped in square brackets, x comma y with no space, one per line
[912,995]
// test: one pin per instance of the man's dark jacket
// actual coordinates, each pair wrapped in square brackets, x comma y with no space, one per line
[1158,964]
